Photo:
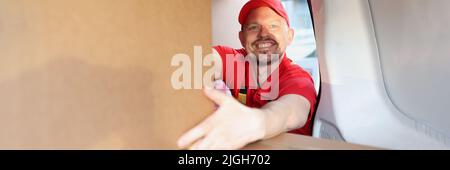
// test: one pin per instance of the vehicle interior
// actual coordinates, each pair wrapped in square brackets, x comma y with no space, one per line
[96,74]
[383,68]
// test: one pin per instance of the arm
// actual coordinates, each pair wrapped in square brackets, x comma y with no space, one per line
[287,113]
[234,125]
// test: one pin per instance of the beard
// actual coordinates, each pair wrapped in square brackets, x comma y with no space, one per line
[266,51]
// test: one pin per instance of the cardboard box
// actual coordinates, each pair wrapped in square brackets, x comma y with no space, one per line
[83,74]
[299,142]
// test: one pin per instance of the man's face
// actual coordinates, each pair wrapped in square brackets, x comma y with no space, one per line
[266,33]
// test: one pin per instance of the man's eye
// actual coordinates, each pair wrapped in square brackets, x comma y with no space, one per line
[252,28]
[273,26]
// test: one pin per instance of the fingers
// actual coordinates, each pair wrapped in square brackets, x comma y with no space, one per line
[206,143]
[215,139]
[195,133]
[190,137]
[216,96]
[203,128]
[220,85]
[203,136]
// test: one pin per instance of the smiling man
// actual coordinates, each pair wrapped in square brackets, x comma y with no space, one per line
[251,113]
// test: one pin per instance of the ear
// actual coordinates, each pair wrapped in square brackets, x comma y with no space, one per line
[242,38]
[291,34]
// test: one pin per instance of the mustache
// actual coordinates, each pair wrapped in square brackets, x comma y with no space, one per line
[265,39]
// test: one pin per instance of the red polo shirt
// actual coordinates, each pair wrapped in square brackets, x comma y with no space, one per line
[292,80]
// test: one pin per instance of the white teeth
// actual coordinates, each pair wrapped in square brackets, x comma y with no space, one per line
[264,45]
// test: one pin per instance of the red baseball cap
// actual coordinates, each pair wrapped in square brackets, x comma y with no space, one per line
[275,5]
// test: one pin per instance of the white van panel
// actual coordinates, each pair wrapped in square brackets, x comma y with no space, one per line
[354,104]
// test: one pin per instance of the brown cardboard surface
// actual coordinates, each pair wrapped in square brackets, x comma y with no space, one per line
[299,142]
[84,74]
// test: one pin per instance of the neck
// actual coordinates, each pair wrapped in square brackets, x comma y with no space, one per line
[264,70]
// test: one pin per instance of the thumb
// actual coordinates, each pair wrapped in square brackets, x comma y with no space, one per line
[216,96]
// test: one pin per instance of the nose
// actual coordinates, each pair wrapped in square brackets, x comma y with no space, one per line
[264,32]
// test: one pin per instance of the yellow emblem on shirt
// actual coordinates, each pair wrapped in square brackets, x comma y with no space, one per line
[242,98]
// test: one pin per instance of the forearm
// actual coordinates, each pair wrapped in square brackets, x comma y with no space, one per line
[285,114]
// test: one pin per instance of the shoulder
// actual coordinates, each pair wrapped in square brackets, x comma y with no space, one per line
[224,50]
[295,80]
[290,70]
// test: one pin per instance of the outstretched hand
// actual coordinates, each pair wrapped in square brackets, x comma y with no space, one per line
[231,126]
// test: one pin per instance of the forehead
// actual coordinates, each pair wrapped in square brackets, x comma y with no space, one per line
[263,14]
